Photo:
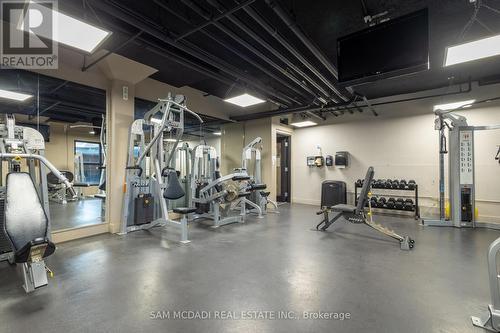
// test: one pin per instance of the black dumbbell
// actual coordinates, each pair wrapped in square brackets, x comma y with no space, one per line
[390,203]
[402,184]
[408,206]
[395,184]
[359,183]
[373,201]
[410,201]
[381,202]
[411,184]
[399,203]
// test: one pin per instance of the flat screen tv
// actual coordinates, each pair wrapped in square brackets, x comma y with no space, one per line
[395,47]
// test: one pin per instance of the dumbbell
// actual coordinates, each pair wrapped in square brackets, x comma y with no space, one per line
[381,202]
[395,184]
[387,184]
[411,184]
[408,205]
[400,203]
[376,183]
[390,203]
[359,183]
[402,184]
[373,201]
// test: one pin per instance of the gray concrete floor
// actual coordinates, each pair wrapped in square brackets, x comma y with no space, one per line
[110,283]
[76,214]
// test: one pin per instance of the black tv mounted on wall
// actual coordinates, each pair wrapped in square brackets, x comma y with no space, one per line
[393,48]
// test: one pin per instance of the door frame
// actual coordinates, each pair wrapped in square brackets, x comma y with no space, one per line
[285,167]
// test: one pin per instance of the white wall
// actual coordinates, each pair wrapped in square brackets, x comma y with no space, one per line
[397,148]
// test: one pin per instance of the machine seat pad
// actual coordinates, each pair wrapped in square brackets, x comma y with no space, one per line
[240,178]
[174,189]
[22,255]
[25,218]
[185,210]
[344,208]
[256,187]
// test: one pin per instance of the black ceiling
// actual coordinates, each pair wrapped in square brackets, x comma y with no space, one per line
[59,100]
[53,98]
[247,50]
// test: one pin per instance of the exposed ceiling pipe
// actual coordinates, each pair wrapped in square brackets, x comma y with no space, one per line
[239,54]
[314,115]
[213,20]
[346,106]
[285,17]
[275,52]
[274,32]
[247,45]
[164,53]
[118,12]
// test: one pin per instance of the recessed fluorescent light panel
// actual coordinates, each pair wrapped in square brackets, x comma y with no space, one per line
[217,133]
[305,123]
[14,95]
[65,29]
[454,106]
[244,100]
[479,49]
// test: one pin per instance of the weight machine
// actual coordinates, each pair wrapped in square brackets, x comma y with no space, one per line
[461,166]
[259,198]
[24,201]
[151,180]
[213,194]
[491,321]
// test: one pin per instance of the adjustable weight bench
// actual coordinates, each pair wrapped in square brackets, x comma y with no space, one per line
[27,228]
[357,214]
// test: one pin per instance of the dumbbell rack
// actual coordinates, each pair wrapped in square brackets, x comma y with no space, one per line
[416,208]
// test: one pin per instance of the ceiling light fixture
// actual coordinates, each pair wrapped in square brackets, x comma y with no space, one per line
[14,95]
[66,29]
[454,106]
[305,123]
[217,133]
[244,100]
[479,49]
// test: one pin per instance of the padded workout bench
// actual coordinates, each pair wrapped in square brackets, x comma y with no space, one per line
[357,214]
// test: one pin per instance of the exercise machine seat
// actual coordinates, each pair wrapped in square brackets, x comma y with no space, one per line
[174,189]
[25,223]
[54,180]
[185,210]
[257,187]
[240,178]
[344,208]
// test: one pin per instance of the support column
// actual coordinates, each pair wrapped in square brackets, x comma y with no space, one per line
[120,116]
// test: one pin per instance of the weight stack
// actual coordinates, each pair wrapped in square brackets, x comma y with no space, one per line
[333,192]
